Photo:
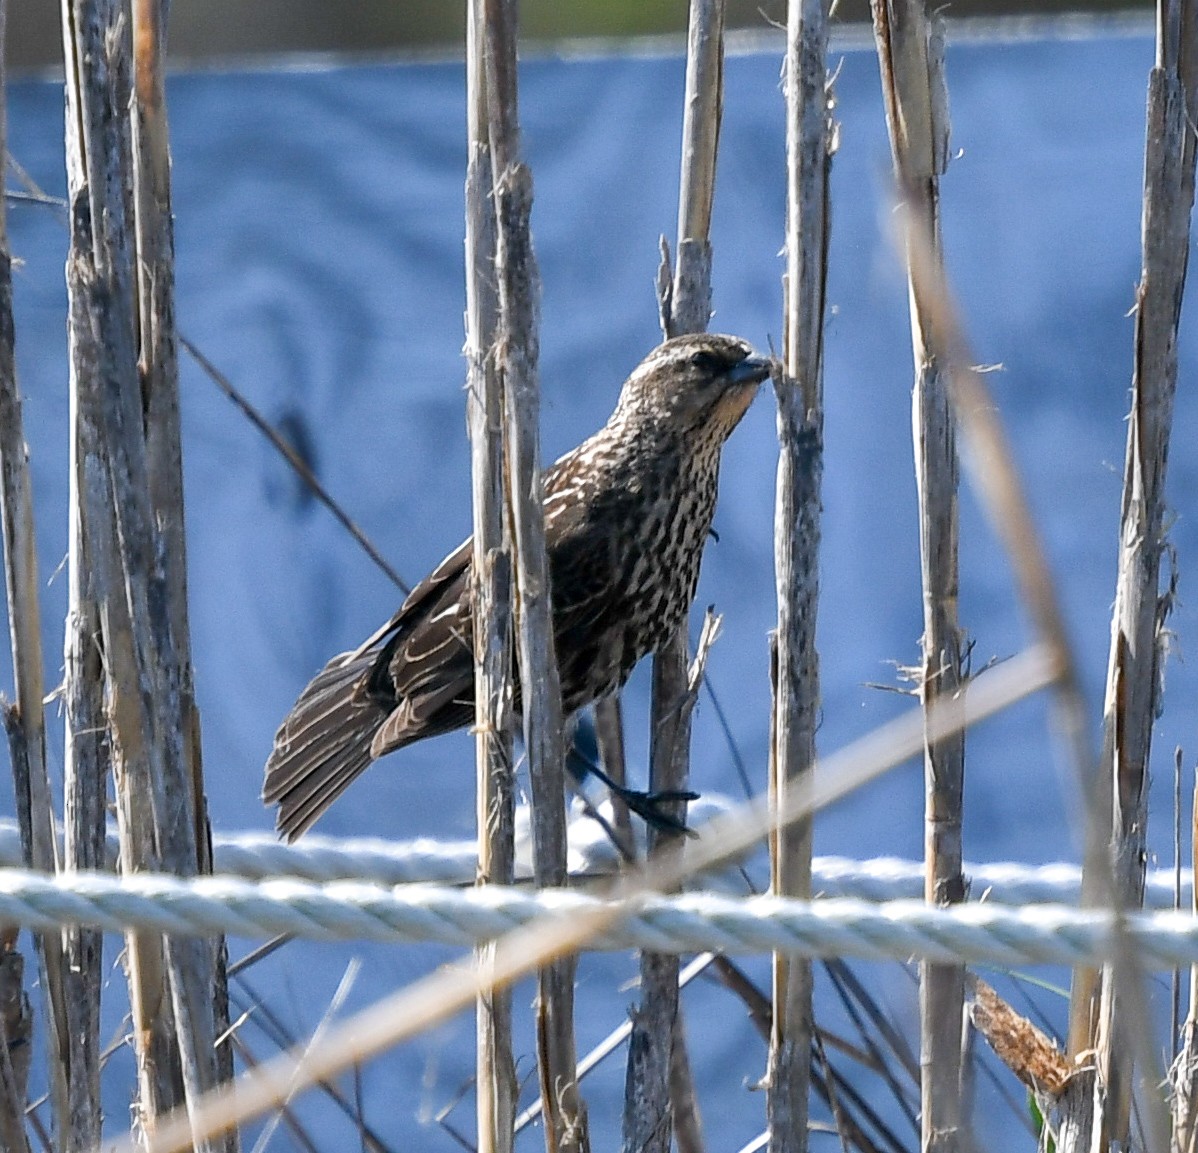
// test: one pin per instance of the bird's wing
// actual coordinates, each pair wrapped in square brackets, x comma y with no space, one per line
[585,571]
[322,745]
[416,603]
[358,707]
[425,663]
[425,666]
[590,589]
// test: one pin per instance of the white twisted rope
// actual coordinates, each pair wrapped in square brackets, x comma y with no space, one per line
[693,922]
[261,856]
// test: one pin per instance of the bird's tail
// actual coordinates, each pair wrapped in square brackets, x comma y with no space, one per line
[323,745]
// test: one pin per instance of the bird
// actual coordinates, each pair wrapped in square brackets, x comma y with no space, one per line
[627,515]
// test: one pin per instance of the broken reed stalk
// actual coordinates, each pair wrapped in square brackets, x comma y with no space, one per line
[497,1086]
[541,701]
[654,1077]
[795,665]
[96,87]
[199,981]
[121,472]
[23,718]
[911,58]
[1133,684]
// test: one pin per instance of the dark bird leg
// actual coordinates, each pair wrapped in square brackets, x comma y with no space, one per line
[649,806]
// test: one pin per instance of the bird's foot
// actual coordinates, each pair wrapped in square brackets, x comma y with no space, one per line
[651,806]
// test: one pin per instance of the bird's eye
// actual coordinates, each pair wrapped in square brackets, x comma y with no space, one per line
[707,362]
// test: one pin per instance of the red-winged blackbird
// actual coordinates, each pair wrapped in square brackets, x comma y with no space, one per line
[627,514]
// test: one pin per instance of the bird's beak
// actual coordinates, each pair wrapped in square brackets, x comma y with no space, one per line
[739,387]
[751,370]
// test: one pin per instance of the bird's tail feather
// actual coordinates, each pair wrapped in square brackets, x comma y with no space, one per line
[323,745]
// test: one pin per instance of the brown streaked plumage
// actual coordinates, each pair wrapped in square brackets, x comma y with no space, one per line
[627,514]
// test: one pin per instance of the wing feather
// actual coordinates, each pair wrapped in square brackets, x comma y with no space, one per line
[322,745]
[425,671]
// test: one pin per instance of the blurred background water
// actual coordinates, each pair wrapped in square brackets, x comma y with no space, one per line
[319,262]
[219,29]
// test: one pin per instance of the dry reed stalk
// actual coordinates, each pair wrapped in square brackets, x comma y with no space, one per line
[1183,1074]
[614,1040]
[97,82]
[453,988]
[158,368]
[497,1086]
[1133,685]
[16,1037]
[911,57]
[199,982]
[609,739]
[684,1102]
[795,664]
[991,465]
[653,1077]
[517,353]
[173,984]
[849,1105]
[657,1085]
[24,718]
[1075,1113]
[86,759]
[999,488]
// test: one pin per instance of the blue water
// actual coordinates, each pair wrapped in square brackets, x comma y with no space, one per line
[319,258]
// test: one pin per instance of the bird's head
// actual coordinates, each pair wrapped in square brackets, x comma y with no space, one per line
[692,384]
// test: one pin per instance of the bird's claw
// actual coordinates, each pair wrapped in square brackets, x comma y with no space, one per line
[650,807]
